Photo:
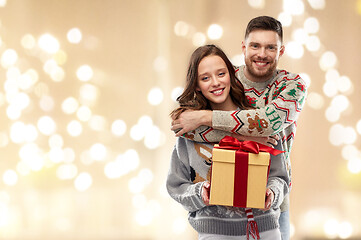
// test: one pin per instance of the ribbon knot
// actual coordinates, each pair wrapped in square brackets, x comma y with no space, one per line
[232,143]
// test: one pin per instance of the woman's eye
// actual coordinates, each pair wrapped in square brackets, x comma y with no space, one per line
[205,78]
[221,74]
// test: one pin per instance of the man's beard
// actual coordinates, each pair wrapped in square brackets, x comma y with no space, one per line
[263,75]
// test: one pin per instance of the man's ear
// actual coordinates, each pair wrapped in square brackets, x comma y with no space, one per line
[243,45]
[282,50]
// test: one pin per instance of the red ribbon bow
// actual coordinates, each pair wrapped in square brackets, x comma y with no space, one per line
[229,142]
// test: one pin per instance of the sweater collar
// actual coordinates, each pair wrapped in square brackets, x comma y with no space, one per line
[258,85]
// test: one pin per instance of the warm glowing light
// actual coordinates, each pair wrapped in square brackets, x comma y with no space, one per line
[74,35]
[199,39]
[155,96]
[10,177]
[300,35]
[88,94]
[328,60]
[132,158]
[46,103]
[160,64]
[13,112]
[50,66]
[350,135]
[294,50]
[9,58]
[345,228]
[344,84]
[349,152]
[17,130]
[67,171]
[257,4]
[98,123]
[32,157]
[46,125]
[84,73]
[69,155]
[56,155]
[315,100]
[98,151]
[306,78]
[48,43]
[28,41]
[336,134]
[215,31]
[3,3]
[332,114]
[70,105]
[311,25]
[294,7]
[354,165]
[4,139]
[330,228]
[179,225]
[30,133]
[136,185]
[57,74]
[340,102]
[330,88]
[358,126]
[56,141]
[83,181]
[285,18]
[74,128]
[146,175]
[176,92]
[317,4]
[60,57]
[84,113]
[153,137]
[238,60]
[119,127]
[181,28]
[137,133]
[313,43]
[139,201]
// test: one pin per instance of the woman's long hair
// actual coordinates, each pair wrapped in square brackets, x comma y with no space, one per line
[193,99]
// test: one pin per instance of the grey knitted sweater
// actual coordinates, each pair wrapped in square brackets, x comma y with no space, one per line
[190,168]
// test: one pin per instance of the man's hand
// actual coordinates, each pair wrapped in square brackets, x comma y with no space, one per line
[190,120]
[270,141]
[205,192]
[270,196]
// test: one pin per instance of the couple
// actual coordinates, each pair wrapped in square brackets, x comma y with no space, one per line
[254,102]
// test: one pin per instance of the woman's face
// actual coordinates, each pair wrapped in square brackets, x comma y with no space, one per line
[214,82]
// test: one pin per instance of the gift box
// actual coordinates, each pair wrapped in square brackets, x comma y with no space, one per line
[240,173]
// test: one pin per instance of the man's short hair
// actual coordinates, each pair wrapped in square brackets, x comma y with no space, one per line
[264,23]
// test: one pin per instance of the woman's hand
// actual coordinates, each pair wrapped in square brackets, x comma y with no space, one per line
[270,141]
[270,196]
[205,192]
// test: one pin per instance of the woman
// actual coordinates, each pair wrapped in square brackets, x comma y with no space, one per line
[211,84]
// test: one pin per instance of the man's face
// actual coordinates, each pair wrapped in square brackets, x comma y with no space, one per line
[261,50]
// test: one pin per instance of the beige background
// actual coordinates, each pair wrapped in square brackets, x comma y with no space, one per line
[121,41]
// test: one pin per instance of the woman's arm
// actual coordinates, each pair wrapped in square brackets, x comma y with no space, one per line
[179,185]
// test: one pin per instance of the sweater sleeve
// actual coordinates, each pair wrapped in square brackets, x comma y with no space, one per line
[179,185]
[278,180]
[287,100]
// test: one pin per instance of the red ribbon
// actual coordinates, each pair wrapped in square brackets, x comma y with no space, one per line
[241,164]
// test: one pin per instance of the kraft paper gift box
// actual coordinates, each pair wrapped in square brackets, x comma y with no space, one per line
[240,173]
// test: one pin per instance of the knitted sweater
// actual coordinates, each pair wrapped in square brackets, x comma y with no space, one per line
[279,102]
[190,168]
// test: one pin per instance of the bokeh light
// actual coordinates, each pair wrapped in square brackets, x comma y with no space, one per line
[74,35]
[48,43]
[155,96]
[215,31]
[84,73]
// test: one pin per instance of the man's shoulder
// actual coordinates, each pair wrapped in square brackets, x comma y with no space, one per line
[283,76]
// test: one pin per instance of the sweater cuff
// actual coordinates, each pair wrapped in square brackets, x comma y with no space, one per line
[221,120]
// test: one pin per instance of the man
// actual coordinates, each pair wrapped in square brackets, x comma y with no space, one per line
[277,95]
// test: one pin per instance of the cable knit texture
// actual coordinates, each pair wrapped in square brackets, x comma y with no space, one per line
[190,168]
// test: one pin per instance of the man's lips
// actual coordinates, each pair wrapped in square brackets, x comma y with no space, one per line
[261,63]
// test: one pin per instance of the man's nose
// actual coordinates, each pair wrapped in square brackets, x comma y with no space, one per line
[262,52]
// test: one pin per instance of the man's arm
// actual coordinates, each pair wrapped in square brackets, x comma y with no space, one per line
[285,105]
